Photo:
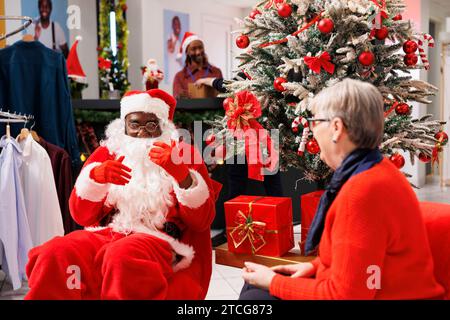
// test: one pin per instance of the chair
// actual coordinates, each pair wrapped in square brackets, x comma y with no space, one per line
[437,220]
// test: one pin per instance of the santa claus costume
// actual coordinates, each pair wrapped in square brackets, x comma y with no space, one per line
[156,241]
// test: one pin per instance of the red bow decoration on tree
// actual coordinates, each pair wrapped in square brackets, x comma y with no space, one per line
[323,61]
[272,3]
[242,114]
[380,16]
[104,64]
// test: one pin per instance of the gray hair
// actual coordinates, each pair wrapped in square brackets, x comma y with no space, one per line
[360,105]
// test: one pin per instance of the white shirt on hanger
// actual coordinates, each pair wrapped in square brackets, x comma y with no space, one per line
[41,198]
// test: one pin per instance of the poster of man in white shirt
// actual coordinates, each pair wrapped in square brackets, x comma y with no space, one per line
[175,25]
[48,31]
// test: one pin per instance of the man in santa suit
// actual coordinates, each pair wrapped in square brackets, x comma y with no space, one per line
[147,208]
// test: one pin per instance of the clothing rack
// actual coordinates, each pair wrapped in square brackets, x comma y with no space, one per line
[25,25]
[13,118]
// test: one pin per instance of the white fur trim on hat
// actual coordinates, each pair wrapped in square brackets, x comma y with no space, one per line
[196,195]
[189,40]
[88,189]
[143,102]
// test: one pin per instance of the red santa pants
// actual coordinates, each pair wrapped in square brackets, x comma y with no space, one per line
[100,265]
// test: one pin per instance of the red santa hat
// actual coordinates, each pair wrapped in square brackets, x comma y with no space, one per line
[154,101]
[74,69]
[189,37]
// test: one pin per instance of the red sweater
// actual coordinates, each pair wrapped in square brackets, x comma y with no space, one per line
[374,221]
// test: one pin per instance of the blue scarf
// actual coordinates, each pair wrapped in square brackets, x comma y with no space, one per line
[358,161]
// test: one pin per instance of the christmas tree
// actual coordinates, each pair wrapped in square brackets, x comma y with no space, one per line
[296,48]
[113,68]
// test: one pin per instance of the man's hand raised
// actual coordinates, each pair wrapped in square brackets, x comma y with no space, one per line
[111,171]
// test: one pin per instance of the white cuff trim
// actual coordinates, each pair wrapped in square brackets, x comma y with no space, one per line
[196,195]
[88,189]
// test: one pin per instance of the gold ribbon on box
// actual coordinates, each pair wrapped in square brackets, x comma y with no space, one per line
[249,229]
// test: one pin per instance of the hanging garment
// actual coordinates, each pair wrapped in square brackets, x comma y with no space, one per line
[62,172]
[14,228]
[33,80]
[41,199]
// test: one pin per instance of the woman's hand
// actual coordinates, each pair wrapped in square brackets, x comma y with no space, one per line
[204,82]
[258,275]
[298,270]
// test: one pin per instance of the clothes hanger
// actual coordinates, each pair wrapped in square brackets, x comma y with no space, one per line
[24,26]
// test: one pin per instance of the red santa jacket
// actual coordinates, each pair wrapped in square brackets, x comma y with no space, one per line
[193,212]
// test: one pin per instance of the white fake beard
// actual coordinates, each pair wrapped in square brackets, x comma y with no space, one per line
[145,201]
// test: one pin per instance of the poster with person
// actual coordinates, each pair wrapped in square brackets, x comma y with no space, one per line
[49,27]
[175,25]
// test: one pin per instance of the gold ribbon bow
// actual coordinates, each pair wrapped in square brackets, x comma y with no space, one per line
[249,229]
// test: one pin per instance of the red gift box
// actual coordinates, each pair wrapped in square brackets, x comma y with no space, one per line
[259,225]
[309,205]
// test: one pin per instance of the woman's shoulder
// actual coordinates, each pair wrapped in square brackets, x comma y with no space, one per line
[383,181]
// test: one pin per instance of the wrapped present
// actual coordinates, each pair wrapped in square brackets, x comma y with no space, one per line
[309,205]
[259,225]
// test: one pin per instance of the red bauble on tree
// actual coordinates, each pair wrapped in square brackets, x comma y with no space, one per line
[254,13]
[410,46]
[442,137]
[397,17]
[424,158]
[326,25]
[367,58]
[242,41]
[382,33]
[278,84]
[284,10]
[411,59]
[313,147]
[402,109]
[398,160]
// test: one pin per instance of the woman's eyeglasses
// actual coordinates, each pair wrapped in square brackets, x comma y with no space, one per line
[312,122]
[149,126]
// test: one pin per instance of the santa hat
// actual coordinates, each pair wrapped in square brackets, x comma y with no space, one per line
[154,101]
[74,69]
[189,37]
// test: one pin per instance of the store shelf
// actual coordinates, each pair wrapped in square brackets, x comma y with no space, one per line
[183,104]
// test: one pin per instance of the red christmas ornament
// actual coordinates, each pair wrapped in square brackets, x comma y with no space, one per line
[277,84]
[442,137]
[424,158]
[254,13]
[295,129]
[411,59]
[312,146]
[397,17]
[242,41]
[124,7]
[300,153]
[402,109]
[226,103]
[398,160]
[326,25]
[410,46]
[367,58]
[210,139]
[120,46]
[284,10]
[382,33]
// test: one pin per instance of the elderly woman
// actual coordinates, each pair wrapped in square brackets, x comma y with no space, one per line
[373,242]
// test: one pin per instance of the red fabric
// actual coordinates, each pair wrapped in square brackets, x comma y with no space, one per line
[375,221]
[135,267]
[164,156]
[309,204]
[274,212]
[111,171]
[437,220]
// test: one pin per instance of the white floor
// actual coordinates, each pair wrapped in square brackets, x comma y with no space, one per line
[226,282]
